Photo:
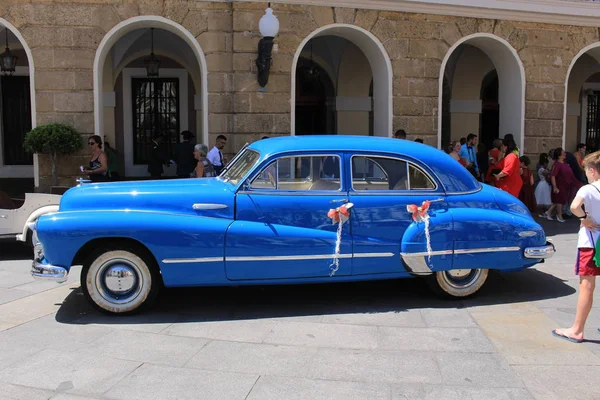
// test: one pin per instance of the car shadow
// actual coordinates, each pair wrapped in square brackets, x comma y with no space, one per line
[13,250]
[285,301]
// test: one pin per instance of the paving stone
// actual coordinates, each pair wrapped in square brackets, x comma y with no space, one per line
[253,331]
[14,352]
[75,372]
[561,382]
[15,392]
[9,279]
[275,387]
[169,383]
[37,286]
[488,370]
[146,347]
[447,318]
[260,359]
[430,392]
[526,338]
[5,325]
[564,318]
[33,307]
[8,295]
[375,366]
[408,318]
[47,333]
[323,335]
[66,396]
[149,321]
[470,340]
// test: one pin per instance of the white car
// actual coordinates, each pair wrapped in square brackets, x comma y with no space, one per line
[14,221]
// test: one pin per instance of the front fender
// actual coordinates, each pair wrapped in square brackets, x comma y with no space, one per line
[168,237]
[32,217]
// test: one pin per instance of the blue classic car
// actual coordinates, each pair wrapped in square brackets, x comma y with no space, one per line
[290,210]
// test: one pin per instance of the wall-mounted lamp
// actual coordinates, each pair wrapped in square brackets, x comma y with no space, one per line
[269,27]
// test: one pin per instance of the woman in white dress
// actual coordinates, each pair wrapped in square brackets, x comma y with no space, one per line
[543,189]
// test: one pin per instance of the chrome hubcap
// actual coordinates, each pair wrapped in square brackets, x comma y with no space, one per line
[461,278]
[119,281]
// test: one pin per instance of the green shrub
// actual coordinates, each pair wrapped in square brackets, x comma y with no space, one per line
[53,139]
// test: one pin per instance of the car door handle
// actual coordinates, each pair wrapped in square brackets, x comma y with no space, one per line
[208,206]
[437,200]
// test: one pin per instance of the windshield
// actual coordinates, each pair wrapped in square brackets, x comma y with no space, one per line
[240,166]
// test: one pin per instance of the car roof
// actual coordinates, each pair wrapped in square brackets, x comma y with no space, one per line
[340,143]
[454,177]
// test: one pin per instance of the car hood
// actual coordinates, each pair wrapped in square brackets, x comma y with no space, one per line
[179,196]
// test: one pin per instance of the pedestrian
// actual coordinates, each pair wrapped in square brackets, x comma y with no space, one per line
[509,177]
[98,165]
[158,157]
[543,188]
[184,155]
[526,195]
[585,206]
[563,183]
[419,140]
[482,159]
[400,134]
[215,155]
[468,151]
[204,168]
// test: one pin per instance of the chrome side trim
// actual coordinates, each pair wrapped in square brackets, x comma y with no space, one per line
[425,254]
[273,258]
[487,250]
[48,272]
[287,258]
[208,206]
[373,255]
[191,260]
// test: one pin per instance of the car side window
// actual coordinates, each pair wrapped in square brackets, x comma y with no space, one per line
[382,173]
[298,173]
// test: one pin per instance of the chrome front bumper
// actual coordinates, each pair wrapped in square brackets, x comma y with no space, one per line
[540,252]
[48,272]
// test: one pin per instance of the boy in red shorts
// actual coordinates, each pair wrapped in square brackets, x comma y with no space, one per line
[588,197]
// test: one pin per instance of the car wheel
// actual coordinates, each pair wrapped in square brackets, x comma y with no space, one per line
[458,283]
[120,281]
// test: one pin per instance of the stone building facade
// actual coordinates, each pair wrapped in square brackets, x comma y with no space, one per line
[438,74]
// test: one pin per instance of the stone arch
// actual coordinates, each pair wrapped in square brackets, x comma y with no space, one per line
[144,22]
[593,51]
[31,68]
[381,67]
[511,74]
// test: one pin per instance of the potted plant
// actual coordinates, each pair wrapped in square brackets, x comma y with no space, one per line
[53,139]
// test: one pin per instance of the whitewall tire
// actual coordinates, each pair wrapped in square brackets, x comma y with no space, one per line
[458,283]
[120,281]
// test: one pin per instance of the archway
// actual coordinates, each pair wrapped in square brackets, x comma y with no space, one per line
[352,59]
[466,66]
[130,107]
[18,113]
[581,117]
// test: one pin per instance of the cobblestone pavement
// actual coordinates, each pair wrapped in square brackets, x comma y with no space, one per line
[375,340]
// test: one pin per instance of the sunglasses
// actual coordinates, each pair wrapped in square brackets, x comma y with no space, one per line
[91,143]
